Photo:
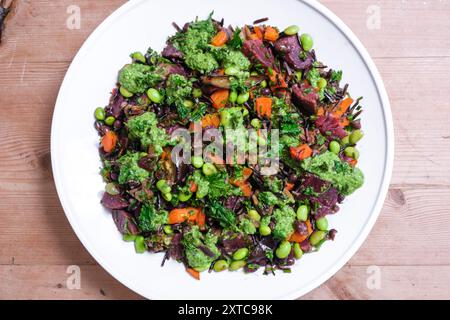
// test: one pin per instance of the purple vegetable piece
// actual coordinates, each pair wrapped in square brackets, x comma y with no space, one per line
[176,247]
[258,52]
[233,243]
[114,202]
[168,69]
[170,52]
[289,47]
[124,222]
[305,97]
[116,103]
[330,126]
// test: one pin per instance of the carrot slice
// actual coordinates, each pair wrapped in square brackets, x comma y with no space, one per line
[109,141]
[201,219]
[246,189]
[211,120]
[194,273]
[220,98]
[220,39]
[343,122]
[297,237]
[343,107]
[289,186]
[301,152]
[180,215]
[271,34]
[258,32]
[263,106]
[193,187]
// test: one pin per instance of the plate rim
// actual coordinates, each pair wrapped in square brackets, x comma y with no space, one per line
[382,191]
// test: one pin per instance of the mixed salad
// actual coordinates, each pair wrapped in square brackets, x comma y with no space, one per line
[216,212]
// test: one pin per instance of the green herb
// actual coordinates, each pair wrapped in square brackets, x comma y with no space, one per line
[236,41]
[225,217]
[336,75]
[150,220]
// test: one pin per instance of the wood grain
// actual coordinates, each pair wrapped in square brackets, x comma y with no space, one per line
[410,242]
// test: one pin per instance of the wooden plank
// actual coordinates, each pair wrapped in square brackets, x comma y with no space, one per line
[50,282]
[37,31]
[54,282]
[396,282]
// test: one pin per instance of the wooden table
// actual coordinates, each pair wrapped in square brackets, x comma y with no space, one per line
[410,243]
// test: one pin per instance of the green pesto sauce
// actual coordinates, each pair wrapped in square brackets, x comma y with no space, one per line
[247,226]
[329,167]
[129,169]
[151,220]
[196,257]
[144,128]
[137,78]
[284,219]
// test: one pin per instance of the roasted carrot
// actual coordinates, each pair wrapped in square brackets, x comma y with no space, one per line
[211,120]
[194,273]
[259,32]
[343,122]
[201,219]
[301,152]
[220,39]
[246,173]
[297,237]
[353,162]
[180,215]
[263,106]
[246,189]
[193,187]
[109,141]
[289,186]
[321,111]
[277,79]
[271,34]
[343,107]
[220,98]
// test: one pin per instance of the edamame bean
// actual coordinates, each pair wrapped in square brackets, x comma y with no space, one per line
[244,112]
[110,121]
[167,196]
[154,95]
[256,123]
[188,103]
[335,147]
[317,237]
[302,213]
[254,215]
[291,30]
[231,71]
[240,254]
[243,98]
[139,244]
[163,186]
[265,230]
[168,229]
[355,136]
[283,250]
[236,265]
[322,83]
[201,193]
[124,92]
[129,237]
[350,152]
[220,265]
[209,169]
[225,117]
[197,162]
[345,140]
[307,42]
[197,93]
[263,84]
[298,75]
[298,252]
[184,196]
[100,114]
[137,56]
[322,224]
[112,189]
[261,141]
[233,96]
[356,154]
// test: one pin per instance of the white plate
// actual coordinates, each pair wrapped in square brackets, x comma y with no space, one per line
[75,160]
